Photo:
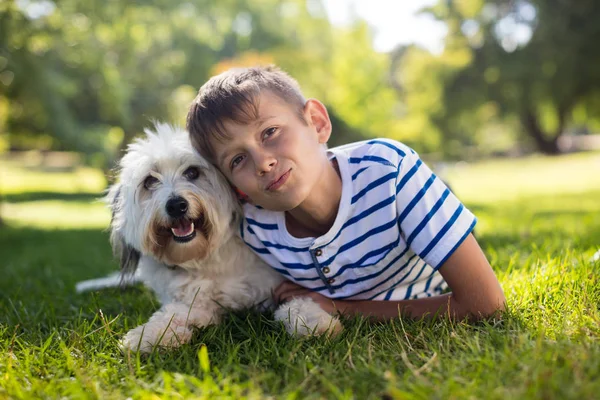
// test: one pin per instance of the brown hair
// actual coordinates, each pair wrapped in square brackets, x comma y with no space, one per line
[233,95]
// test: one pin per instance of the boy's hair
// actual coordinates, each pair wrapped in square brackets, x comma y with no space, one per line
[233,95]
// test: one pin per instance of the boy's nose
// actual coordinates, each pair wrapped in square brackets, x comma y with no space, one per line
[265,165]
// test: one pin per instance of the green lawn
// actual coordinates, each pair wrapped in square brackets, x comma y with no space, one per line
[539,224]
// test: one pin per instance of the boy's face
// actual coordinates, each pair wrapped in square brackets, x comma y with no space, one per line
[278,159]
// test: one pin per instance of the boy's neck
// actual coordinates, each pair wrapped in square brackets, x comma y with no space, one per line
[316,215]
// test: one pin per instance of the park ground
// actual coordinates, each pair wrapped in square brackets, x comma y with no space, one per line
[539,225]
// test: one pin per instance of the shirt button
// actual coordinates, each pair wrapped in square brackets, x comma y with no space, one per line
[326,270]
[330,280]
[318,252]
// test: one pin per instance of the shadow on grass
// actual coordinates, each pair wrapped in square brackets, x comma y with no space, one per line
[39,196]
[40,269]
[552,239]
[552,224]
[46,264]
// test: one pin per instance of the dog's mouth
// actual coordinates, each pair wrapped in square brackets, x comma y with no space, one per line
[184,229]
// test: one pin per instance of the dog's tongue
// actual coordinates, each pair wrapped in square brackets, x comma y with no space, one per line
[183,228]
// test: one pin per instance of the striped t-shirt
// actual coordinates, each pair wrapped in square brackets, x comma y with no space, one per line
[397,223]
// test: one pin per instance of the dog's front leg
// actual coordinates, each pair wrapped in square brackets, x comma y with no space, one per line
[170,326]
[302,316]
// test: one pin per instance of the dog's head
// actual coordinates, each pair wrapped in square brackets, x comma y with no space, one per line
[168,202]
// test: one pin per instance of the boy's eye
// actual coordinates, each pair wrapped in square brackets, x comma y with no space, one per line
[191,173]
[235,161]
[150,182]
[269,132]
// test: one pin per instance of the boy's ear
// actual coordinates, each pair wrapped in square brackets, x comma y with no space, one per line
[241,196]
[316,115]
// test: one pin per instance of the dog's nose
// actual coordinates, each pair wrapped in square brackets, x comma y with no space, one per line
[177,207]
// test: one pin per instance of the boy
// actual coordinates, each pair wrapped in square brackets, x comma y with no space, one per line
[348,227]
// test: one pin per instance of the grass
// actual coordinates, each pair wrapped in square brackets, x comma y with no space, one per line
[539,224]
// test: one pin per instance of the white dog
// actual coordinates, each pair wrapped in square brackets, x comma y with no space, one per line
[175,218]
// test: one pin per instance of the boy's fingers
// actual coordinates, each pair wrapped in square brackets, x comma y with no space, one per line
[287,296]
[284,287]
[286,291]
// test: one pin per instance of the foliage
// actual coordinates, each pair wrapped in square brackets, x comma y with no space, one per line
[529,65]
[88,76]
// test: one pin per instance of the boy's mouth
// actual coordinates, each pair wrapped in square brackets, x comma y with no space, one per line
[277,183]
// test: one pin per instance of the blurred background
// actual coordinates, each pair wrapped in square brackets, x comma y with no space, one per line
[501,98]
[466,80]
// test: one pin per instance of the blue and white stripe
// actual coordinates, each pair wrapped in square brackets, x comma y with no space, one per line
[396,225]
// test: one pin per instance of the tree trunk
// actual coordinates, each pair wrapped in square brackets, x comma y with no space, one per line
[1,207]
[547,144]
[395,61]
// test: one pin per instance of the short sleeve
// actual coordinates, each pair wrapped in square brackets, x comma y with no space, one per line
[431,218]
[249,237]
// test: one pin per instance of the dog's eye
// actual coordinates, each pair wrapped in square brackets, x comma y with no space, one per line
[150,182]
[192,173]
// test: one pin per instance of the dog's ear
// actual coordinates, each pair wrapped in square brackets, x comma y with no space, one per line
[241,196]
[113,199]
[128,256]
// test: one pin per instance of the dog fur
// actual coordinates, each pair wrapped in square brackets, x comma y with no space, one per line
[174,222]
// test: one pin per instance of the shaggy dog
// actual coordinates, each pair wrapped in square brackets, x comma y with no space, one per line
[174,219]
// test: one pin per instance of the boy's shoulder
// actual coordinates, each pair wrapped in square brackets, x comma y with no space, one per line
[379,150]
[259,217]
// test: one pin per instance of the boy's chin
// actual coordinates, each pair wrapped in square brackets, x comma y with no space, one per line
[281,206]
[278,207]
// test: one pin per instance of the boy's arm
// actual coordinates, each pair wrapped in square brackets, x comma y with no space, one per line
[475,292]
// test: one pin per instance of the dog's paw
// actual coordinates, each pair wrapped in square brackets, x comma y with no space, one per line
[137,340]
[145,337]
[304,317]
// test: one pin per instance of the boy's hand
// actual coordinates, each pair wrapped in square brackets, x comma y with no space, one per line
[476,292]
[288,290]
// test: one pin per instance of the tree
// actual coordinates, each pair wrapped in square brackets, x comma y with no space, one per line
[89,75]
[530,63]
